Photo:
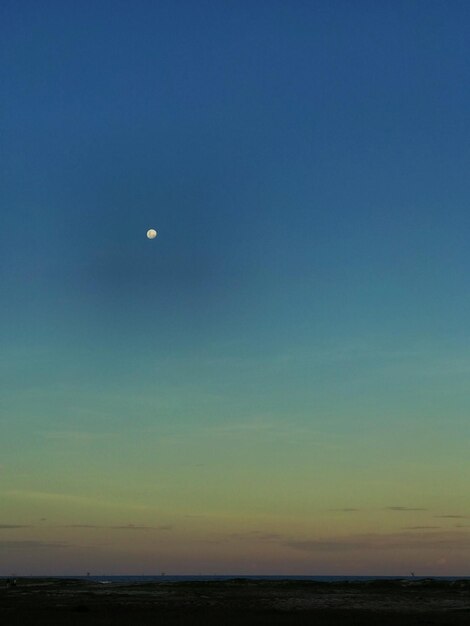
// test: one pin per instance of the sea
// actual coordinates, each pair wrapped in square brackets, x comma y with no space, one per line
[103,578]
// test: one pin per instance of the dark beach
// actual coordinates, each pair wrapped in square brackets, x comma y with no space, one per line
[49,601]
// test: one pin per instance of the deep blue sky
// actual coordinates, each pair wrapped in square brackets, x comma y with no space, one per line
[307,167]
[295,156]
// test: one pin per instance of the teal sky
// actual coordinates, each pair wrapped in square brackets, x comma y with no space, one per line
[278,383]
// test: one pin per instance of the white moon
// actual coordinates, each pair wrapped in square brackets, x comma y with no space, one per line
[152,233]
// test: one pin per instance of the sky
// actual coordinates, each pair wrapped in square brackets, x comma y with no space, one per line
[278,383]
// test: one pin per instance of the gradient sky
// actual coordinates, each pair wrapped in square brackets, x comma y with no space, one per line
[279,383]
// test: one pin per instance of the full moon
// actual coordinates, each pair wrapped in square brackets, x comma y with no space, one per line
[152,233]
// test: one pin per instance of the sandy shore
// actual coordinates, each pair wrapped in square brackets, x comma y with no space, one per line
[79,602]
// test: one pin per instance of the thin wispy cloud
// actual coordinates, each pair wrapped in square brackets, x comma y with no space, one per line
[11,526]
[404,508]
[433,540]
[345,510]
[255,535]
[265,428]
[275,430]
[72,499]
[451,516]
[31,544]
[324,545]
[119,527]
[81,526]
[78,436]
[421,527]
[132,527]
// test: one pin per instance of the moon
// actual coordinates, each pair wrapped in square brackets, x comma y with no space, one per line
[151,233]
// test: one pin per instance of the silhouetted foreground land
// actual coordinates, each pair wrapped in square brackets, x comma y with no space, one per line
[281,603]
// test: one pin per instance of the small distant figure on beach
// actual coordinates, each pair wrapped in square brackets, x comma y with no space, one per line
[412,574]
[11,582]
